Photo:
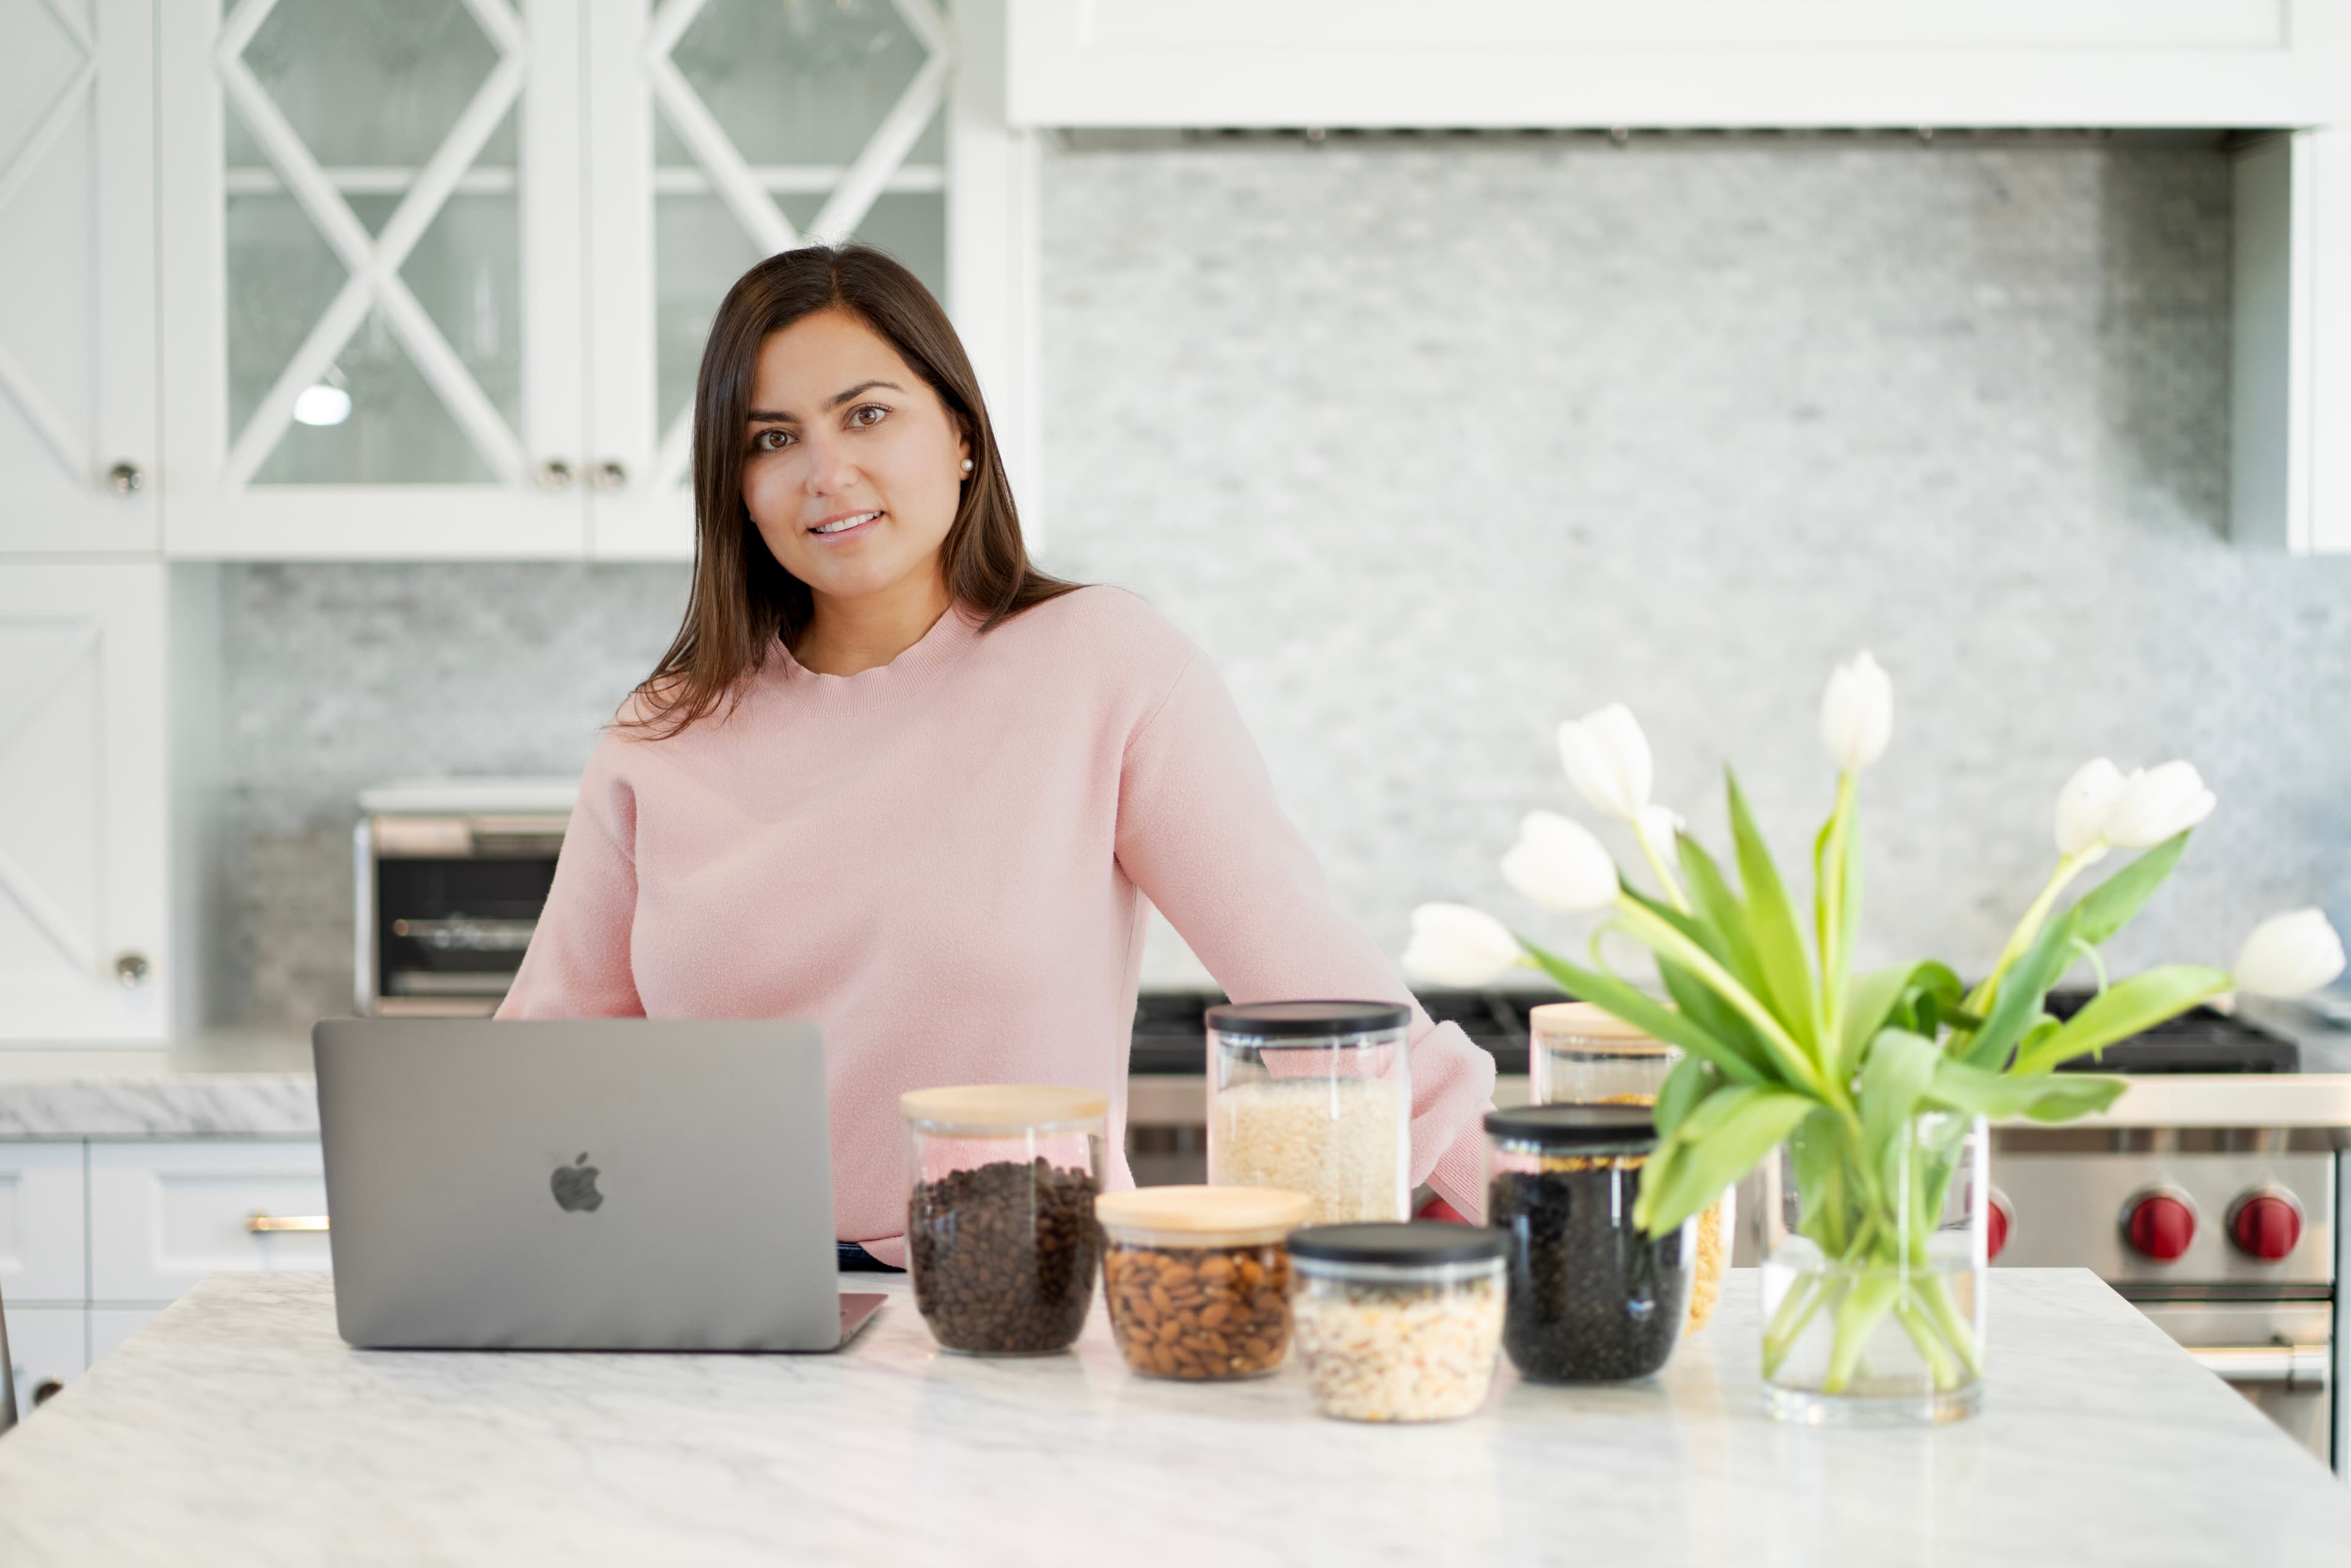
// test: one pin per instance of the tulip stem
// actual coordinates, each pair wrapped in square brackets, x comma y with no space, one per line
[1660,937]
[1657,863]
[2068,867]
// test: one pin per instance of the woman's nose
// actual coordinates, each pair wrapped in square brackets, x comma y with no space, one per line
[828,468]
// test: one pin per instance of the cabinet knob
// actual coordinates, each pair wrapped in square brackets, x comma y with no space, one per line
[555,473]
[125,479]
[131,969]
[610,475]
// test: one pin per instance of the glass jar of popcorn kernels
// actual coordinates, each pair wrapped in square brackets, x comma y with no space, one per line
[1398,1323]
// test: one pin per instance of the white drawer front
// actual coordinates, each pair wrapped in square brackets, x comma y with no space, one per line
[41,1224]
[43,1342]
[163,1216]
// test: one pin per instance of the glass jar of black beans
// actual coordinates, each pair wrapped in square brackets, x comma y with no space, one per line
[1590,1299]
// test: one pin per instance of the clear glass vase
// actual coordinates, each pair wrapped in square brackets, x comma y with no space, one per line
[1874,1291]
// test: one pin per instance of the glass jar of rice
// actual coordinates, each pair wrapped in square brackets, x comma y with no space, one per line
[1579,1055]
[1315,1097]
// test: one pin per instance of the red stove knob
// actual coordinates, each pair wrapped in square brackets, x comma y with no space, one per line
[2266,1224]
[1999,1218]
[2159,1226]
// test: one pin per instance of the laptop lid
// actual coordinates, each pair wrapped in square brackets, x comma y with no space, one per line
[600,1183]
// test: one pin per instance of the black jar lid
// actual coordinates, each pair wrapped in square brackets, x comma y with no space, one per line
[1616,1128]
[1306,1020]
[1402,1245]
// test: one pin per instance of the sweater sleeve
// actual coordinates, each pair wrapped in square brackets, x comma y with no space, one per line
[1202,834]
[578,965]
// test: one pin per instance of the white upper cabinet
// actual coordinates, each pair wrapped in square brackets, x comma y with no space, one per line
[1723,63]
[725,131]
[77,275]
[442,269]
[374,337]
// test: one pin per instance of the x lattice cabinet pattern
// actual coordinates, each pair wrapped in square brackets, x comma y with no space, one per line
[431,279]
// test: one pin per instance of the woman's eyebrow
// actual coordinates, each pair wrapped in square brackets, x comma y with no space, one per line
[768,416]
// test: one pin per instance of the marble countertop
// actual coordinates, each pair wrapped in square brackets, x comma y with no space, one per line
[222,1082]
[257,1083]
[236,1427]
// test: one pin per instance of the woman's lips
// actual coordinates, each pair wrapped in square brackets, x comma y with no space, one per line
[849,526]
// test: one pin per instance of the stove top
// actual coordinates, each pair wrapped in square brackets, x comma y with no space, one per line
[1171,1031]
[2199,1040]
[1171,1035]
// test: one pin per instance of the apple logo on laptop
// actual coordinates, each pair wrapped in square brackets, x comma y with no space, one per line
[575,1187]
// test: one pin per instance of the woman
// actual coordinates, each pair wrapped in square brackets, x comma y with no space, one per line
[892,779]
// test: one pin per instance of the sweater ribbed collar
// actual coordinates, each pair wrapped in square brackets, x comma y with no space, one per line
[933,651]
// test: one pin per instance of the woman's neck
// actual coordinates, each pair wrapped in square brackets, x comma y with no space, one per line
[847,635]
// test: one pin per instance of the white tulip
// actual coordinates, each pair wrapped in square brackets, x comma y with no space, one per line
[2082,807]
[2290,954]
[2156,804]
[1857,714]
[1559,864]
[1454,944]
[1607,760]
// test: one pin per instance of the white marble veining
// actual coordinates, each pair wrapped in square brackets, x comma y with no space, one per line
[238,1428]
[227,1083]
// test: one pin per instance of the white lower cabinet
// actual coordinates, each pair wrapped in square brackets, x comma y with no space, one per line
[44,1345]
[163,1216]
[41,1225]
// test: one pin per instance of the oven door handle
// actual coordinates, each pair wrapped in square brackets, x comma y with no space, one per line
[2297,1366]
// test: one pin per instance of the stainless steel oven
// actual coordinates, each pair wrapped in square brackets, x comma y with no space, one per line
[2227,1238]
[452,874]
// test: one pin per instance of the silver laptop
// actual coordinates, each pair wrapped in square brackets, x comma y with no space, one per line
[605,1184]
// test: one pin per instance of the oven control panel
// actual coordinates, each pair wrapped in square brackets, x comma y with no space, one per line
[2185,1218]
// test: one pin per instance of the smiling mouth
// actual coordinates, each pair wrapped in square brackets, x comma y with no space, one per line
[844,525]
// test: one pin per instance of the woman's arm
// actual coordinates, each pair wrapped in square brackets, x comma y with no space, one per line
[1202,834]
[578,965]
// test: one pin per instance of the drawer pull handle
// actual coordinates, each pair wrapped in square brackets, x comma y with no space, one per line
[264,1223]
[2297,1366]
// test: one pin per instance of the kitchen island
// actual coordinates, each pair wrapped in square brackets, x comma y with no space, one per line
[237,1428]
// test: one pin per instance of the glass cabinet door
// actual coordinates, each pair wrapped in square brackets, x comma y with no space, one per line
[724,131]
[373,282]
[77,274]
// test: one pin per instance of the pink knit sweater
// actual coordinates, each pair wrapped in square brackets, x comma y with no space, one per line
[944,861]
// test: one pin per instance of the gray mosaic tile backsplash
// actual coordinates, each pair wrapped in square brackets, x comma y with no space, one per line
[1434,441]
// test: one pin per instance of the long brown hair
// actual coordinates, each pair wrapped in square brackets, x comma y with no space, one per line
[743,600]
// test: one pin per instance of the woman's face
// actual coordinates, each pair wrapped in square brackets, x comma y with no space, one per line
[853,468]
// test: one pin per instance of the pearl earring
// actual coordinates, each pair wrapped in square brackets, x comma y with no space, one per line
[966,465]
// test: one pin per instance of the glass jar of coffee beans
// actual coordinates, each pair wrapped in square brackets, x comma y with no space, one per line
[1000,1232]
[1579,1055]
[1197,1278]
[1590,1299]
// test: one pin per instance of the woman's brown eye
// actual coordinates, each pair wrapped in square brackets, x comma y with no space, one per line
[867,414]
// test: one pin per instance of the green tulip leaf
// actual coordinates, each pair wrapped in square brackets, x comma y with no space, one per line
[1908,995]
[1721,909]
[1693,1078]
[1647,1014]
[1893,1077]
[1773,925]
[2129,1007]
[2040,1096]
[2114,903]
[1742,1125]
[2018,1003]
